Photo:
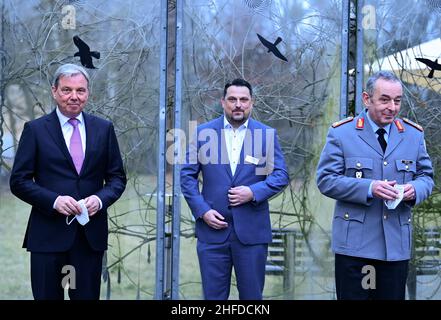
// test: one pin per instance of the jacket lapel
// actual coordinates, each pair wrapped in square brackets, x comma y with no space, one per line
[394,140]
[54,128]
[367,135]
[222,147]
[249,148]
[89,123]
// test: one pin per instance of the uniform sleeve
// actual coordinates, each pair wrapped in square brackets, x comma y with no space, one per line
[423,182]
[331,179]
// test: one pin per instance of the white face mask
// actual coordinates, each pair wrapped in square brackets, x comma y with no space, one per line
[392,204]
[83,217]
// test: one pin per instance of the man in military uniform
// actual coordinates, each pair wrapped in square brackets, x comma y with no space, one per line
[364,163]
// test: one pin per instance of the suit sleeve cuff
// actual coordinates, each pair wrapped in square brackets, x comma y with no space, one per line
[370,195]
[55,202]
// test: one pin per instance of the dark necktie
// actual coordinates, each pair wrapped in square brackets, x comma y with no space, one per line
[381,140]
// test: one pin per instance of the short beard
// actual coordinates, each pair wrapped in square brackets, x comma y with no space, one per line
[236,123]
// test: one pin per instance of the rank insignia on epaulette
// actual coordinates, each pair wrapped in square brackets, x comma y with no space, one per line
[399,125]
[360,123]
[343,121]
[413,124]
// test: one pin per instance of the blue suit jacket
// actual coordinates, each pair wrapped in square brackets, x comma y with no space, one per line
[362,226]
[251,220]
[43,170]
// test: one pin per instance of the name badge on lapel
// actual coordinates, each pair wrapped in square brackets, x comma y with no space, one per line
[252,160]
[359,174]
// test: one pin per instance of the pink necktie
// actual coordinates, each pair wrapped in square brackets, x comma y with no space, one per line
[76,147]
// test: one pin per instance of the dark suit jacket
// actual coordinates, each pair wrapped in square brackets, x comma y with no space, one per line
[43,170]
[266,177]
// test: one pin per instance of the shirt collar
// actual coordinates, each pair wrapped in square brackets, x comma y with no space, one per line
[63,119]
[375,127]
[227,125]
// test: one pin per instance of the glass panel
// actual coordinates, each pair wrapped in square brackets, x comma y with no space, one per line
[299,97]
[37,37]
[397,33]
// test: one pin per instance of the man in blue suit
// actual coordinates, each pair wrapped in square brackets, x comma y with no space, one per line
[363,164]
[63,157]
[242,166]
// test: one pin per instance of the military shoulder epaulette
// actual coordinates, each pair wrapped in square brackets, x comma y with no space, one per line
[343,121]
[413,124]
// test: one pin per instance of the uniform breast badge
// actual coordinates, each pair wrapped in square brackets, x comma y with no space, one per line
[358,173]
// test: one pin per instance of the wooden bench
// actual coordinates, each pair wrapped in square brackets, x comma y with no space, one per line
[277,251]
[427,257]
[289,255]
[291,252]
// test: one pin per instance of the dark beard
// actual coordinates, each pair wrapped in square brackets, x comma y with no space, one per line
[236,123]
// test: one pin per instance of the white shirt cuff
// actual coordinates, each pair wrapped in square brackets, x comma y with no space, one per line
[99,200]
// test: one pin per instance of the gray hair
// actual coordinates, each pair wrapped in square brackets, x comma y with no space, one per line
[69,70]
[385,75]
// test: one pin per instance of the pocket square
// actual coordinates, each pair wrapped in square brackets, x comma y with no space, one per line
[252,160]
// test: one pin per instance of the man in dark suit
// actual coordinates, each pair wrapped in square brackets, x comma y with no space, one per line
[62,158]
[242,167]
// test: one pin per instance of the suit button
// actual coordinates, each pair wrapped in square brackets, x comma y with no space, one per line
[385,217]
[410,220]
[346,216]
[385,163]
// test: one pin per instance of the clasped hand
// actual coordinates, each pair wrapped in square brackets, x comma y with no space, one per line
[236,196]
[67,205]
[385,190]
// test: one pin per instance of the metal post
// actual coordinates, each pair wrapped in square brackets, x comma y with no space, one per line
[360,66]
[344,59]
[412,275]
[177,152]
[2,79]
[168,250]
[160,205]
[289,272]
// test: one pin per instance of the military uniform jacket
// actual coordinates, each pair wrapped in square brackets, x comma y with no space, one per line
[351,159]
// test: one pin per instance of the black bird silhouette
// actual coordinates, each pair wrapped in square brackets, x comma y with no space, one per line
[84,53]
[272,47]
[434,65]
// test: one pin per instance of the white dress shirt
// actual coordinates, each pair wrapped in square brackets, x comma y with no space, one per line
[375,127]
[234,141]
[67,129]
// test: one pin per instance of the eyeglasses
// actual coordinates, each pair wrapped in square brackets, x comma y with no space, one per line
[242,100]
